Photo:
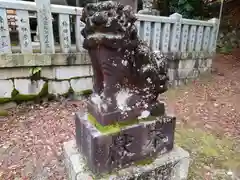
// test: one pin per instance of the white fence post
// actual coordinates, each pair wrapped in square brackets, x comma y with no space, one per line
[184,38]
[213,35]
[147,32]
[176,32]
[5,43]
[78,28]
[45,27]
[165,37]
[199,39]
[24,33]
[206,36]
[64,33]
[137,24]
[191,38]
[156,36]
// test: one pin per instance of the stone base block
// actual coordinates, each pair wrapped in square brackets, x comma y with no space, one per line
[170,166]
[122,145]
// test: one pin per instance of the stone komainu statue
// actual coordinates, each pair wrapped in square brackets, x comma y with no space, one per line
[120,60]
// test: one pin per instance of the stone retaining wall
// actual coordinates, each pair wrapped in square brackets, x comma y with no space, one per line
[188,66]
[23,81]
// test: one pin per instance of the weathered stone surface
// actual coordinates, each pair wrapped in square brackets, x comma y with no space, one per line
[188,73]
[58,87]
[153,12]
[14,73]
[104,117]
[181,71]
[148,8]
[81,84]
[66,72]
[48,73]
[27,87]
[187,64]
[205,63]
[107,151]
[56,72]
[69,72]
[170,166]
[35,59]
[124,66]
[6,88]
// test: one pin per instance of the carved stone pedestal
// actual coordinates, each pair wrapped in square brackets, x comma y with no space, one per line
[120,145]
[170,166]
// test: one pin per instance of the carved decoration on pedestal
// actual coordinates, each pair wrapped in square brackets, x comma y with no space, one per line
[119,150]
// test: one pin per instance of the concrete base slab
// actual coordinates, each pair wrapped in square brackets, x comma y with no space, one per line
[171,166]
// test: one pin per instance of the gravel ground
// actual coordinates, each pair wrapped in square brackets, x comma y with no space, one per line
[212,102]
[31,140]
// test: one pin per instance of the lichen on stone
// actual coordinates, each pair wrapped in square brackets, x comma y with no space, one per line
[144,162]
[5,100]
[113,128]
[85,92]
[110,129]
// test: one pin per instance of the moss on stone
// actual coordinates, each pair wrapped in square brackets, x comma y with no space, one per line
[144,162]
[116,127]
[44,91]
[17,97]
[86,92]
[128,123]
[109,129]
[3,113]
[23,97]
[14,93]
[5,100]
[69,92]
[113,128]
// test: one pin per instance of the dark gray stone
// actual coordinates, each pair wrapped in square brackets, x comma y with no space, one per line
[124,67]
[106,152]
[127,80]
[108,118]
[170,166]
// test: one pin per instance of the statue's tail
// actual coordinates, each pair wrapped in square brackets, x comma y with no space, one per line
[161,64]
[153,65]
